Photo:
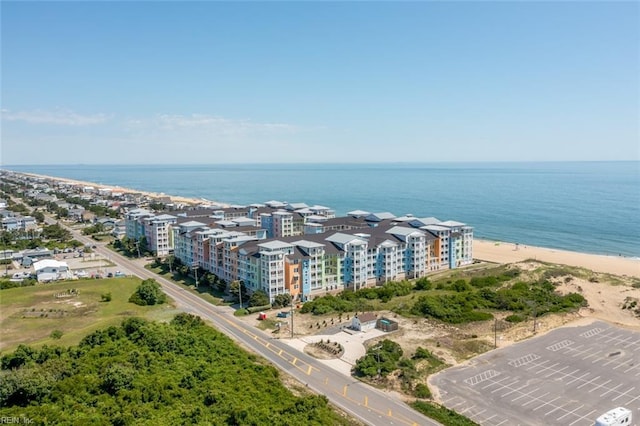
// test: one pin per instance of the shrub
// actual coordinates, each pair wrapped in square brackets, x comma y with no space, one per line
[148,293]
[106,297]
[422,391]
[514,318]
[56,334]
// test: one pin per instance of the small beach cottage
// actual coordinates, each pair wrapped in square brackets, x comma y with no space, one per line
[364,322]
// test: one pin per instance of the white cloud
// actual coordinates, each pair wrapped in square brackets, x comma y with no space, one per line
[57,117]
[221,125]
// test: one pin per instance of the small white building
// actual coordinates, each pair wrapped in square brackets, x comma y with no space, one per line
[364,322]
[51,270]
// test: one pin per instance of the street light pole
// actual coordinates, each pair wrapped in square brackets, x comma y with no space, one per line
[292,317]
[240,293]
[377,348]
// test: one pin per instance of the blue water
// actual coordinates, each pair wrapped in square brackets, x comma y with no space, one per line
[591,207]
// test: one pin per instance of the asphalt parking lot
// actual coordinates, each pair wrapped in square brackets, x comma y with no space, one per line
[569,376]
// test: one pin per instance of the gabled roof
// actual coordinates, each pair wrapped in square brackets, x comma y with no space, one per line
[366,317]
[358,213]
[422,221]
[341,238]
[376,217]
[401,230]
[296,206]
[307,244]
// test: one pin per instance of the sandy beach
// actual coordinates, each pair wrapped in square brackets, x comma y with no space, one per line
[503,252]
[174,198]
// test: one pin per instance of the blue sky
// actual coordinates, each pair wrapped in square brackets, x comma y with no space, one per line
[245,82]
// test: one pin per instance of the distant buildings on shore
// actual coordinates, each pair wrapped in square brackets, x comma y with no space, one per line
[305,251]
[277,247]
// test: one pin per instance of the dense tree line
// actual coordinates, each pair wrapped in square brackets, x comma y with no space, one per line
[141,372]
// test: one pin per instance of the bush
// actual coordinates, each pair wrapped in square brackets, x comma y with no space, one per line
[106,297]
[422,391]
[514,318]
[56,334]
[148,293]
[259,298]
[254,309]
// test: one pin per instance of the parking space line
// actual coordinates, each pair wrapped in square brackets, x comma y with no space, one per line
[525,394]
[633,367]
[546,403]
[548,368]
[592,332]
[611,390]
[535,399]
[497,382]
[564,376]
[505,386]
[569,412]
[623,393]
[514,390]
[560,345]
[556,371]
[589,382]
[570,349]
[599,386]
[631,400]
[578,378]
[586,417]
[539,364]
[557,408]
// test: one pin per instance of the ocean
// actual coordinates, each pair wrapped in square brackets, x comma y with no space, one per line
[591,207]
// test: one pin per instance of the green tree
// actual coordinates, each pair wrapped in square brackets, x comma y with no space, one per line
[282,300]
[148,293]
[259,298]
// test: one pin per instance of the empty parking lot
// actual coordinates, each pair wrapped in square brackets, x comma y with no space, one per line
[569,376]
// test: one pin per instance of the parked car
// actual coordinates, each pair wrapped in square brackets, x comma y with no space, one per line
[109,275]
[119,274]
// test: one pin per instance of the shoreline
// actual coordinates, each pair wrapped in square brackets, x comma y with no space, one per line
[502,252]
[116,188]
[508,252]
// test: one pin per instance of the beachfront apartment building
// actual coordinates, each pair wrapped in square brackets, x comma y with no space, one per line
[262,247]
[157,230]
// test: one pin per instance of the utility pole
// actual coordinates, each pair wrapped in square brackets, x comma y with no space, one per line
[292,317]
[195,271]
[240,293]
[377,348]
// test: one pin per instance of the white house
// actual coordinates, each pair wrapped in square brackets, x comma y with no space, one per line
[364,322]
[51,270]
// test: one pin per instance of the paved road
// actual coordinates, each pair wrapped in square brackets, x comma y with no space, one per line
[361,401]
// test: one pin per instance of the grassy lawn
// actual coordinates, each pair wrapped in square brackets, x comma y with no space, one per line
[28,315]
[207,293]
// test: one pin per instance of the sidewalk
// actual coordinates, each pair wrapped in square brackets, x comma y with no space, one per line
[353,345]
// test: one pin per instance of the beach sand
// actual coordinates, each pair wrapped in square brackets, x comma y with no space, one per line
[174,198]
[502,252]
